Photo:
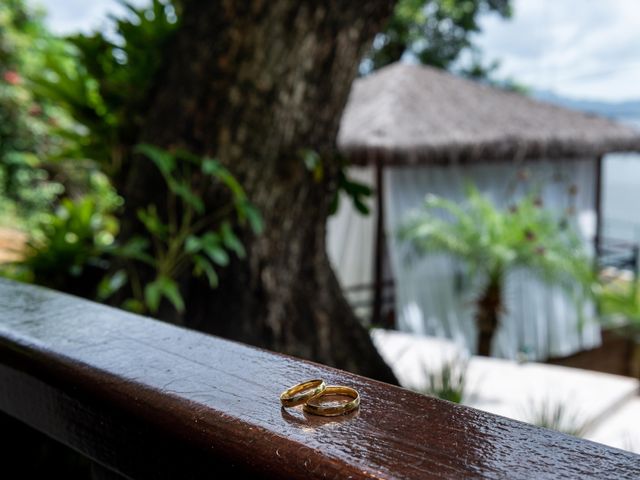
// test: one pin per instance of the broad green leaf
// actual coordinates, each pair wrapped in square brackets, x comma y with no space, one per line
[255,219]
[183,190]
[210,239]
[133,305]
[164,161]
[212,246]
[211,166]
[163,287]
[360,206]
[149,217]
[193,244]
[231,241]
[171,292]
[152,295]
[203,265]
[135,249]
[111,284]
[230,181]
[217,254]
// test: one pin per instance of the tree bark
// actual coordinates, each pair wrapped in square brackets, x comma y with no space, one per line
[488,306]
[251,83]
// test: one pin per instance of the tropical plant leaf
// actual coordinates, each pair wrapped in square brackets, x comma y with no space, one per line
[162,159]
[231,241]
[192,244]
[183,190]
[163,287]
[111,284]
[203,265]
[152,222]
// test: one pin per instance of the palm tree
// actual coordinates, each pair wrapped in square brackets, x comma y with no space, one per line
[491,242]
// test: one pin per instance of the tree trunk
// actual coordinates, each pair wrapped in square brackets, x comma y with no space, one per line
[488,308]
[252,83]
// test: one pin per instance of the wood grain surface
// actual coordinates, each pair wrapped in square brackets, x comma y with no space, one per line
[151,400]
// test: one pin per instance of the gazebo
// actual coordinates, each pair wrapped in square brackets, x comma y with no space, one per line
[410,130]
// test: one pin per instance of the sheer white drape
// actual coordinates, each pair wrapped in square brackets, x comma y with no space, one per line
[432,295]
[351,243]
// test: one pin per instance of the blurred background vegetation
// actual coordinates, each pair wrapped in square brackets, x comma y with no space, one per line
[71,110]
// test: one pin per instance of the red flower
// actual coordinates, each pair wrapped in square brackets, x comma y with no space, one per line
[12,77]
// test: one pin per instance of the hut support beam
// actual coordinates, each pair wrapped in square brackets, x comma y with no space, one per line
[378,282]
[598,205]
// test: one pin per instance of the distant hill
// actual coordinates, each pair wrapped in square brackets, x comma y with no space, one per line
[627,111]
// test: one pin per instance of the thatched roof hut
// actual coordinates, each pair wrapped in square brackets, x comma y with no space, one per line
[411,114]
[412,130]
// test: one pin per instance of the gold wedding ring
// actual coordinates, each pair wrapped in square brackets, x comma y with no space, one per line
[316,406]
[301,393]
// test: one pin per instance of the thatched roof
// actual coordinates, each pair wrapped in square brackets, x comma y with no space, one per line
[416,114]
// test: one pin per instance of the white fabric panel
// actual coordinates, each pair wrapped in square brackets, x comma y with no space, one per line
[431,297]
[351,240]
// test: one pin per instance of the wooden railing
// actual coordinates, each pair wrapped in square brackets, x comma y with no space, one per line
[150,400]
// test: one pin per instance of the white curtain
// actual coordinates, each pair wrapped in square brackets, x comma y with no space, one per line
[351,244]
[434,298]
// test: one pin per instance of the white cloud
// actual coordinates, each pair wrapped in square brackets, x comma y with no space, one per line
[577,48]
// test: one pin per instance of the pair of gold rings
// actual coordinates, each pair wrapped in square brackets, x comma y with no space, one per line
[313,394]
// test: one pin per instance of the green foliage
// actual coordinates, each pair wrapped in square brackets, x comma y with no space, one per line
[181,235]
[491,241]
[100,85]
[620,307]
[434,31]
[77,236]
[27,191]
[105,82]
[449,382]
[26,142]
[356,191]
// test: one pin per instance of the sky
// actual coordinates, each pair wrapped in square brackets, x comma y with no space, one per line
[577,48]
[587,49]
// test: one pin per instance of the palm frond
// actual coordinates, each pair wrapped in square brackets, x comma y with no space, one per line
[489,239]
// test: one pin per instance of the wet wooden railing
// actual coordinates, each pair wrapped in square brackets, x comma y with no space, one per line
[149,400]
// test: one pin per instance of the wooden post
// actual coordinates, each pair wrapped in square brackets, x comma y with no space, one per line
[598,207]
[378,254]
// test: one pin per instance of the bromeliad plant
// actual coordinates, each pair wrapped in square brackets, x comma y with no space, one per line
[557,416]
[449,382]
[186,238]
[492,242]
